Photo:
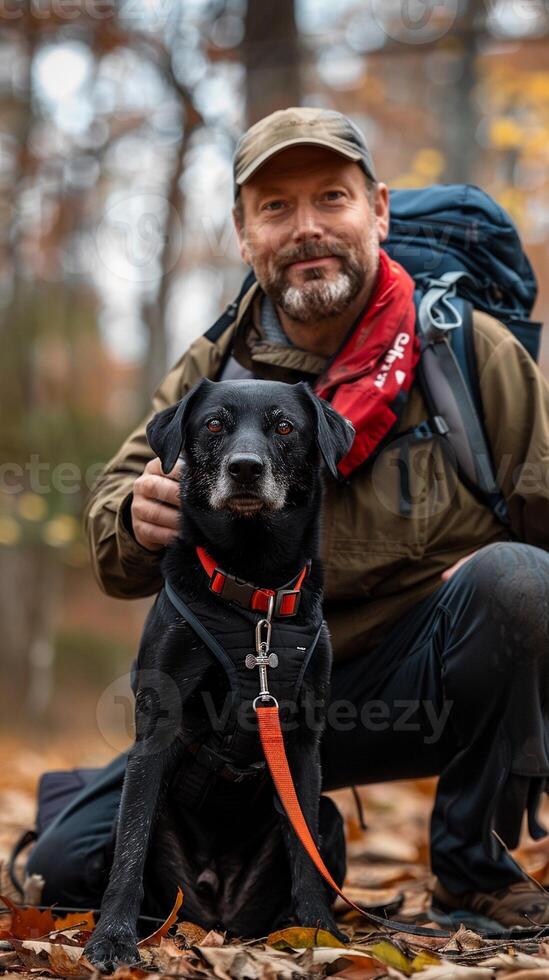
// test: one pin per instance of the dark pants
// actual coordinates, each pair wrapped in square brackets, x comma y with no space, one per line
[457,689]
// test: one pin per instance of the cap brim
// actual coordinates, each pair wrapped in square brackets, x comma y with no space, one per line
[342,149]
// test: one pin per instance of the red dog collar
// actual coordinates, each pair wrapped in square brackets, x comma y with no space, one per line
[250,596]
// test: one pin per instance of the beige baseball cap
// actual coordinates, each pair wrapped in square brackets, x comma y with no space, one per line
[297,126]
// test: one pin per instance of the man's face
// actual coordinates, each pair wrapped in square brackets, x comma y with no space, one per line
[310,231]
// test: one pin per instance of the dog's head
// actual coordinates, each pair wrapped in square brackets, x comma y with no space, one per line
[250,446]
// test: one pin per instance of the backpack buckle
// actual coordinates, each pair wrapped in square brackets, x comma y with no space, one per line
[441,425]
[434,426]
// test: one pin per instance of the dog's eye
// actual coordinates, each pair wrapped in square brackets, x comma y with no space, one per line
[214,425]
[284,427]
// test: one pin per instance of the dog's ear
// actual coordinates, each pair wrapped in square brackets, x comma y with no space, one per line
[334,433]
[166,431]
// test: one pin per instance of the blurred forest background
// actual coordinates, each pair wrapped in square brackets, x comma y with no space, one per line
[117,126]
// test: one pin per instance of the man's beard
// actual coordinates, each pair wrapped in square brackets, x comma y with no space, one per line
[318,297]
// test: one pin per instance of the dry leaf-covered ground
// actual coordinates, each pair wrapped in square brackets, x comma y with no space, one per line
[388,868]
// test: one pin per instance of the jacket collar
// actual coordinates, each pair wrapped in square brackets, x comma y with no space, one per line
[268,360]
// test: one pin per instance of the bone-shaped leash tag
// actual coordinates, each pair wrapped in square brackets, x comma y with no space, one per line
[270,660]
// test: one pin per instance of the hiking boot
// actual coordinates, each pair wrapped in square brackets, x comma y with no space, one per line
[520,905]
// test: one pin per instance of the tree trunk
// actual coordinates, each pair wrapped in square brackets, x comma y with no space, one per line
[272,58]
[459,118]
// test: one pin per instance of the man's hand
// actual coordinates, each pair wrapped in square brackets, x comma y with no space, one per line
[155,506]
[454,568]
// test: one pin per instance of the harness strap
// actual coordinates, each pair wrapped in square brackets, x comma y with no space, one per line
[210,759]
[203,633]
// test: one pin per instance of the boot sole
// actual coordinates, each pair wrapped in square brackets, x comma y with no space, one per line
[471,920]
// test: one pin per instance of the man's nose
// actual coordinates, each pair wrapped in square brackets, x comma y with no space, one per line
[306,223]
[245,467]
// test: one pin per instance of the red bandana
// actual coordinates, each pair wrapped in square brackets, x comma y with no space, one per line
[376,366]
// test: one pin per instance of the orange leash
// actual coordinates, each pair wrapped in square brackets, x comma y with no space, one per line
[272,741]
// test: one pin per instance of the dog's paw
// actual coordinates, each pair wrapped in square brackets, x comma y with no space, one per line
[106,951]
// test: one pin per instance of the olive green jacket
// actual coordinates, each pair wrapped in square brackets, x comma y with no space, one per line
[378,561]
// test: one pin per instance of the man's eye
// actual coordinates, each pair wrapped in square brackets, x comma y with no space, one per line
[214,425]
[333,195]
[284,427]
[273,205]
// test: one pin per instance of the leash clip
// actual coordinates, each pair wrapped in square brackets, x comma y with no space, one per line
[263,635]
[263,659]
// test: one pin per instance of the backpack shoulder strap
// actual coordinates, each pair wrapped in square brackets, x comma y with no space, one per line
[448,376]
[229,315]
[463,346]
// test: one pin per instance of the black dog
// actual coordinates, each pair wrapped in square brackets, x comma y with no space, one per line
[198,807]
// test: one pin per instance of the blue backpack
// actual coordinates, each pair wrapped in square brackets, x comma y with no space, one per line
[464,253]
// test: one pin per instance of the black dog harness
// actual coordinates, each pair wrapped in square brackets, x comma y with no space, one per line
[233,752]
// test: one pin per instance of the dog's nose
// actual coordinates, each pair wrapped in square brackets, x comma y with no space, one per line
[245,467]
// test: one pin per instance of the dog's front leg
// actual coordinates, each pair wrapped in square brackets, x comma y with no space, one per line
[114,940]
[310,894]
[150,763]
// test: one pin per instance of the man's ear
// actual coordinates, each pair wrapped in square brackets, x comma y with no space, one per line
[381,208]
[166,431]
[334,434]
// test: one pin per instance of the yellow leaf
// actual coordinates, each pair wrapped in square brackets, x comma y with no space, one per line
[302,937]
[391,955]
[423,959]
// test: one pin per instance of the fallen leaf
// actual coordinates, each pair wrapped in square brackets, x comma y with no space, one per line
[170,958]
[453,971]
[515,960]
[86,920]
[390,954]
[464,939]
[63,961]
[301,937]
[539,973]
[425,958]
[190,932]
[212,938]
[27,923]
[324,954]
[7,959]
[352,967]
[234,962]
[129,973]
[155,937]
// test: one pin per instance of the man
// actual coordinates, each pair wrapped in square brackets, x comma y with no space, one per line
[439,614]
